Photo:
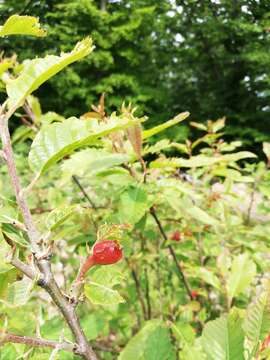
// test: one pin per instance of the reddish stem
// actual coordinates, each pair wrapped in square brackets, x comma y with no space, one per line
[89,262]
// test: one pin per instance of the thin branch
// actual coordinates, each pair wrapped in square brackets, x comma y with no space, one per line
[25,269]
[251,203]
[78,183]
[138,290]
[47,281]
[35,342]
[147,293]
[180,271]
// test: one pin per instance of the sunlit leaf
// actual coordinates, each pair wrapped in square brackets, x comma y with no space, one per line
[257,321]
[241,275]
[133,204]
[99,286]
[223,338]
[155,130]
[22,25]
[57,140]
[92,161]
[201,160]
[36,72]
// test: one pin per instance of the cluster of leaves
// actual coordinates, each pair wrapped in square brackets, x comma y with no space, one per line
[165,56]
[102,175]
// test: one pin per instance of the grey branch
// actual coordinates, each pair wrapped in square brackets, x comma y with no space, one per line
[47,281]
[35,342]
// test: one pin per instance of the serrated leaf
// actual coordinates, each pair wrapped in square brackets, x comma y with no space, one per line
[152,342]
[201,160]
[22,25]
[102,295]
[133,204]
[36,72]
[92,161]
[59,215]
[157,129]
[223,338]
[232,174]
[157,147]
[99,286]
[241,275]
[57,140]
[257,321]
[13,234]
[19,292]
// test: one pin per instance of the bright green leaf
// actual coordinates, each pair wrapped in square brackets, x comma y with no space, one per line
[99,286]
[92,161]
[157,129]
[241,275]
[22,25]
[134,203]
[257,321]
[223,338]
[36,72]
[57,140]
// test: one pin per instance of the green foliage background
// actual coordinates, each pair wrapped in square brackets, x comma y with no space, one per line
[167,56]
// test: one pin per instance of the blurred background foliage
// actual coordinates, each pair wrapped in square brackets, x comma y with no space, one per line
[208,57]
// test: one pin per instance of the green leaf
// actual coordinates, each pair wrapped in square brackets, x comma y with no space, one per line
[99,286]
[5,64]
[157,129]
[223,338]
[13,234]
[133,205]
[91,162]
[184,333]
[207,276]
[200,215]
[4,251]
[152,342]
[36,72]
[201,160]
[22,25]
[19,292]
[184,207]
[257,321]
[241,275]
[198,125]
[59,215]
[57,140]
[232,174]
[218,125]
